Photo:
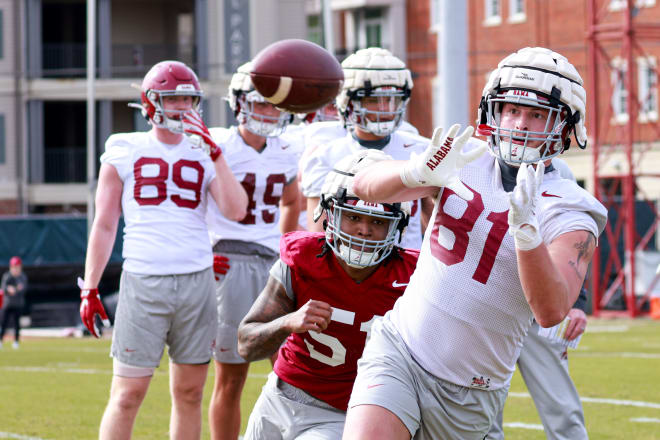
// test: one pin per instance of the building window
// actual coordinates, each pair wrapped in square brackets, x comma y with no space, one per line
[618,5]
[619,92]
[492,13]
[647,89]
[314,31]
[373,27]
[2,31]
[435,15]
[2,139]
[517,11]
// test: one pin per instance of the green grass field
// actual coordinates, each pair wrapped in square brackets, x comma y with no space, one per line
[57,388]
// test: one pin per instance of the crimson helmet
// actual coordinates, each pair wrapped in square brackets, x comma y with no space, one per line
[15,261]
[168,78]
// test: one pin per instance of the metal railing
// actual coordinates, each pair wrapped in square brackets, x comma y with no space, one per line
[127,60]
[65,165]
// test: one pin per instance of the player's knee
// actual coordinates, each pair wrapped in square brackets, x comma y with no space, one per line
[188,394]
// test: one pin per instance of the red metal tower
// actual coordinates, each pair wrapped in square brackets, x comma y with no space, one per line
[626,36]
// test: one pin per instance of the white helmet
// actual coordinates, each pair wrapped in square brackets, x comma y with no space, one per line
[535,77]
[242,96]
[337,198]
[374,72]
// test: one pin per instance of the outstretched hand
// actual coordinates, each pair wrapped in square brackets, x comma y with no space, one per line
[441,162]
[523,200]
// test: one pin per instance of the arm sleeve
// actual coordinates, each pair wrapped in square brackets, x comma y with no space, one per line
[282,273]
[3,284]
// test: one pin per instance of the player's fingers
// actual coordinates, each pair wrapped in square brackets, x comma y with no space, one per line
[436,140]
[460,189]
[473,154]
[463,137]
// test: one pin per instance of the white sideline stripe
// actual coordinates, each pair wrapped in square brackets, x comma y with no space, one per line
[18,436]
[624,354]
[521,425]
[618,402]
[87,371]
[608,329]
[645,420]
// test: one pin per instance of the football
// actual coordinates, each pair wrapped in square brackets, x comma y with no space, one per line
[297,75]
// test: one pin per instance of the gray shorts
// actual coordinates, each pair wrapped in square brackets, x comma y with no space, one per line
[284,412]
[155,310]
[236,292]
[431,408]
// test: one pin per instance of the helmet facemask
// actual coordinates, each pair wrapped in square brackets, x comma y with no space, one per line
[392,101]
[256,123]
[513,146]
[355,251]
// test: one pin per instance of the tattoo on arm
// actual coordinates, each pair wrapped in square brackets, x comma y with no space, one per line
[585,251]
[260,333]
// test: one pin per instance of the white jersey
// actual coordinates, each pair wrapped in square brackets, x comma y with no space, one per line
[322,160]
[164,199]
[464,315]
[263,175]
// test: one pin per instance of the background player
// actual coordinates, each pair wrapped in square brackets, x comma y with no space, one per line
[323,294]
[444,357]
[160,180]
[373,100]
[266,166]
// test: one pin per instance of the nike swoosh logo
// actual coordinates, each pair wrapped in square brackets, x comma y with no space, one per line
[407,145]
[395,284]
[375,385]
[224,349]
[128,350]
[546,194]
[284,147]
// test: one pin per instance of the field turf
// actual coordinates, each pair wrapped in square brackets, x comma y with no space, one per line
[54,388]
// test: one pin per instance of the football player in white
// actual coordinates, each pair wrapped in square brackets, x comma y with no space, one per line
[372,102]
[507,243]
[543,365]
[267,166]
[161,181]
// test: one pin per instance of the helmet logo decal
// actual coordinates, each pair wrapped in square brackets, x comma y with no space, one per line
[524,76]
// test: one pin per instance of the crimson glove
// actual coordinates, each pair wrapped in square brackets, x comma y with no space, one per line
[193,125]
[2,297]
[220,265]
[90,306]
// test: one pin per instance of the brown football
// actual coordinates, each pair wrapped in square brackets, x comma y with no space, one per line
[297,75]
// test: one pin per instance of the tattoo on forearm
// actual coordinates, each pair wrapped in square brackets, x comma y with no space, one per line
[261,335]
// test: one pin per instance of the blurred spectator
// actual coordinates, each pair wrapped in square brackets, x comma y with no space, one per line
[14,284]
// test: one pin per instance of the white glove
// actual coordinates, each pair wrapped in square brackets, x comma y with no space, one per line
[523,201]
[440,163]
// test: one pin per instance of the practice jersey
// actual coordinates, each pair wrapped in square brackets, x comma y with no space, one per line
[324,364]
[464,314]
[263,175]
[164,200]
[322,160]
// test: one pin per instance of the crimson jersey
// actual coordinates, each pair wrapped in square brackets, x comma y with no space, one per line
[324,364]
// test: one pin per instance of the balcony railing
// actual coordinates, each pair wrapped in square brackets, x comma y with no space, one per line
[65,165]
[127,60]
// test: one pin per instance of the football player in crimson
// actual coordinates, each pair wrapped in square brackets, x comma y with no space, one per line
[507,242]
[161,181]
[322,297]
[266,165]
[372,103]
